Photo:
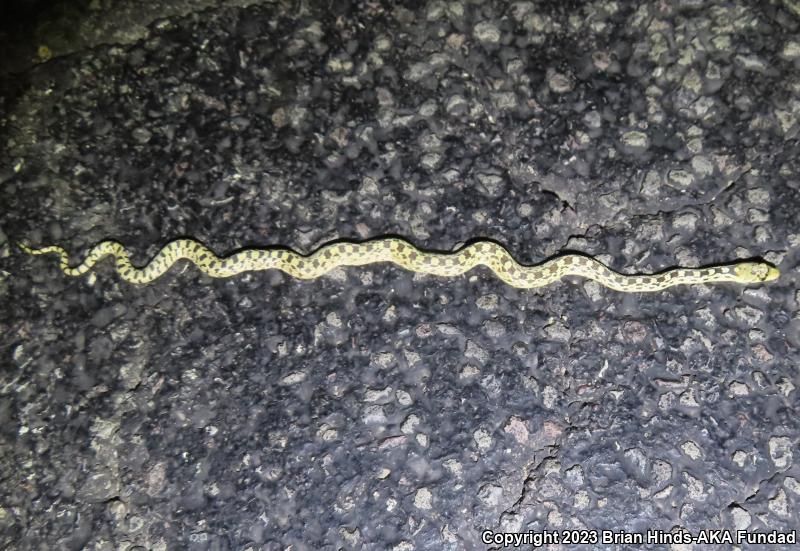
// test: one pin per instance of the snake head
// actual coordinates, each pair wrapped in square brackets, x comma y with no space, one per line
[756,272]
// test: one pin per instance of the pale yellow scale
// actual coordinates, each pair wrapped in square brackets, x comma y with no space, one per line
[406,255]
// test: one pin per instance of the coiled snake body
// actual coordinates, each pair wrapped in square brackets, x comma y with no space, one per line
[406,255]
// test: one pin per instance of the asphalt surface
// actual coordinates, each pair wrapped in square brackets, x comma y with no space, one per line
[374,408]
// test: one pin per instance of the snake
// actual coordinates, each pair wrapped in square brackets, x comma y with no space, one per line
[404,254]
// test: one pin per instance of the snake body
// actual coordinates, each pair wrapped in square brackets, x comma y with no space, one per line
[406,255]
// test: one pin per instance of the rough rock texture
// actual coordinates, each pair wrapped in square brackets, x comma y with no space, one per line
[375,408]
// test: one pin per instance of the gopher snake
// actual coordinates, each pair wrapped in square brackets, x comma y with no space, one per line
[405,254]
